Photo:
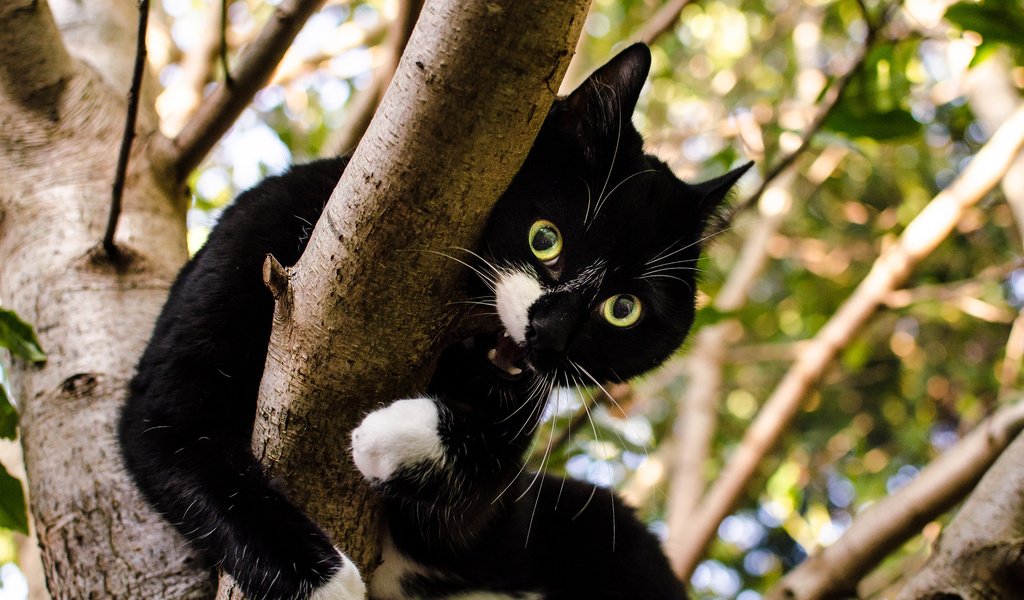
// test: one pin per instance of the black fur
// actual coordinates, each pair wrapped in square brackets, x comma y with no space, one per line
[185,429]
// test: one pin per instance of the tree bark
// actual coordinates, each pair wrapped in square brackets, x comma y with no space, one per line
[980,552]
[61,120]
[369,301]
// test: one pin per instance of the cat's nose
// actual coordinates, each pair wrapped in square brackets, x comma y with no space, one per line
[552,319]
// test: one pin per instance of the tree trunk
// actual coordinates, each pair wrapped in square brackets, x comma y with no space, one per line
[61,121]
[456,124]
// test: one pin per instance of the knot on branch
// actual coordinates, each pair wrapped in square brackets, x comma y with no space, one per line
[275,277]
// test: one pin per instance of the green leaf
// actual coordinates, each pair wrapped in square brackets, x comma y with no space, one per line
[995,21]
[12,503]
[18,337]
[8,416]
[884,125]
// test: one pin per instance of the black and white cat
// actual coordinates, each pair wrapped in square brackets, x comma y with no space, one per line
[590,261]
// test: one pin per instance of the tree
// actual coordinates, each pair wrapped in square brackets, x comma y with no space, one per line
[99,311]
[867,285]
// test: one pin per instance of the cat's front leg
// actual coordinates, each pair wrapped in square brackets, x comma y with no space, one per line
[344,584]
[400,447]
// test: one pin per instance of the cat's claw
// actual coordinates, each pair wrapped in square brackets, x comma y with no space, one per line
[401,434]
[345,584]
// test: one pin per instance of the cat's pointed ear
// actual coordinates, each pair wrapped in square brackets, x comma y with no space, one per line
[713,191]
[605,101]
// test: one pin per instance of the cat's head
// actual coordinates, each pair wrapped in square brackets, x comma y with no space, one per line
[594,248]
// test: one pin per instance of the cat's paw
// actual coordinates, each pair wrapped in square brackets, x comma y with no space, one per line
[345,584]
[402,434]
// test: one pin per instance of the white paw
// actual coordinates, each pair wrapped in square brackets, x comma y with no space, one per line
[401,434]
[345,584]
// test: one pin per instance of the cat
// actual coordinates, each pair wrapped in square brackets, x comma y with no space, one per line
[590,263]
[593,252]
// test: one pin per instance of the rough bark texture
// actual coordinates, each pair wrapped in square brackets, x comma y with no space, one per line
[981,552]
[61,120]
[471,91]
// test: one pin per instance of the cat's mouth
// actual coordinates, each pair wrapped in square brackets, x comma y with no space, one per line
[508,356]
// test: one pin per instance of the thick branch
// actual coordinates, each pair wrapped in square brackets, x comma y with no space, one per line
[35,66]
[979,554]
[891,268]
[254,68]
[835,571]
[368,303]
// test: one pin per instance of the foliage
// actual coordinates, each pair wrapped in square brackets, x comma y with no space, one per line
[739,79]
[20,339]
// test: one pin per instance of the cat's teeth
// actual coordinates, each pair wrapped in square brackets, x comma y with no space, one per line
[513,371]
[492,354]
[504,334]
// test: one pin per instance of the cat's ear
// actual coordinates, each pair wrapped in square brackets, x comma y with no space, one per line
[604,103]
[713,191]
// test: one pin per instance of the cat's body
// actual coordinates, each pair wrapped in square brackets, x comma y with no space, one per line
[589,259]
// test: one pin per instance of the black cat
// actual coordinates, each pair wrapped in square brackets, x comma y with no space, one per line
[590,262]
[590,257]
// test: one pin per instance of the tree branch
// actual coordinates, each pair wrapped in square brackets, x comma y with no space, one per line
[829,102]
[362,107]
[979,554]
[367,318]
[220,109]
[129,132]
[835,571]
[891,268]
[35,65]
[661,22]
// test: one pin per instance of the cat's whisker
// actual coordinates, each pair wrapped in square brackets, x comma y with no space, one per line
[698,242]
[660,263]
[668,269]
[601,201]
[679,279]
[611,166]
[486,278]
[483,260]
[533,445]
[586,213]
[543,464]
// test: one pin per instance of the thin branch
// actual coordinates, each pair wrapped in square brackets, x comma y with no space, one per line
[216,114]
[117,191]
[830,100]
[228,81]
[835,571]
[661,22]
[892,267]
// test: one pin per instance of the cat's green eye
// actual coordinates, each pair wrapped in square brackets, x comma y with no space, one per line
[622,310]
[545,241]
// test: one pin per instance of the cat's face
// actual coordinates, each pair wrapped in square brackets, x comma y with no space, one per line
[593,249]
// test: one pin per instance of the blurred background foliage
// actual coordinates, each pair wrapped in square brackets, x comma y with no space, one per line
[734,80]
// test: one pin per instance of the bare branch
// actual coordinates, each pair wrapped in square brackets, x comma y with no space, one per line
[220,109]
[891,268]
[35,65]
[129,132]
[829,102]
[835,571]
[662,21]
[179,101]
